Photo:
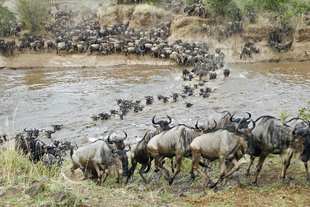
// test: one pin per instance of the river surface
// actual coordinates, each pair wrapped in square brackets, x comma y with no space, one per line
[38,98]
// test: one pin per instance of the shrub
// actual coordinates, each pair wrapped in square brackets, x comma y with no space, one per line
[6,18]
[33,13]
[224,8]
[284,115]
[190,2]
[305,112]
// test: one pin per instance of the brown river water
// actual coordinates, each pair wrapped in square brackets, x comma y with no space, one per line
[38,98]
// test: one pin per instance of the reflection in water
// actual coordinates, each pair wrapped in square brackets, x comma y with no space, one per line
[39,98]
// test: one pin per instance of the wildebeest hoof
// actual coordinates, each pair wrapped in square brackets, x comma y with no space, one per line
[213,185]
[170,181]
[247,174]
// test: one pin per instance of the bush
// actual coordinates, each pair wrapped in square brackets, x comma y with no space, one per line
[33,13]
[224,8]
[6,18]
[190,2]
[305,112]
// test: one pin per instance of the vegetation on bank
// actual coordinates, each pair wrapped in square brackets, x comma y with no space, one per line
[33,14]
[284,10]
[6,19]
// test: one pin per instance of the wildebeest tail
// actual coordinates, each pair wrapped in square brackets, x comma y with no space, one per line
[148,168]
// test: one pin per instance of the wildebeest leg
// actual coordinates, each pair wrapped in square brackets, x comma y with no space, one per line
[259,166]
[178,159]
[99,174]
[172,167]
[222,171]
[235,168]
[252,158]
[74,167]
[195,162]
[131,170]
[160,167]
[307,171]
[285,163]
[104,177]
[141,171]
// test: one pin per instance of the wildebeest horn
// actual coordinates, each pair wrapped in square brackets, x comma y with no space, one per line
[153,120]
[215,125]
[196,125]
[249,116]
[125,135]
[128,149]
[253,125]
[169,119]
[227,113]
[109,141]
[231,118]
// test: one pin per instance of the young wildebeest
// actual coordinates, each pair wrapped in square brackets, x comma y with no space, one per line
[223,145]
[173,142]
[140,153]
[272,136]
[97,159]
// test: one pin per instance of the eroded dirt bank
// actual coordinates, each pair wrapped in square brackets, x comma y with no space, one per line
[49,60]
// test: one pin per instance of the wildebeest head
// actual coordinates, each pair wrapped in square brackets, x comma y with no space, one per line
[164,125]
[248,135]
[241,123]
[304,133]
[3,139]
[119,143]
[122,156]
[208,130]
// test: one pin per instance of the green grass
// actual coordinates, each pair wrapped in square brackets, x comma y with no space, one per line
[17,171]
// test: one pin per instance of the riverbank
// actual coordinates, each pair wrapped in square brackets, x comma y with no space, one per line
[25,183]
[51,60]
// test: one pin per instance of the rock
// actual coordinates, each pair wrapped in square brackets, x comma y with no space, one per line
[10,192]
[46,205]
[35,189]
[60,196]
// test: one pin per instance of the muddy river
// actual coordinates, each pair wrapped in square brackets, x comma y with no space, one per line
[38,98]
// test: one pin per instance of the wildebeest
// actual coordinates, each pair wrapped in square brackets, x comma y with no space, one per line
[226,72]
[3,139]
[97,159]
[300,124]
[30,146]
[272,136]
[173,142]
[140,153]
[223,145]
[227,121]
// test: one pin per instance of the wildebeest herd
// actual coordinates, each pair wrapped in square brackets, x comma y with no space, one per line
[221,137]
[88,36]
